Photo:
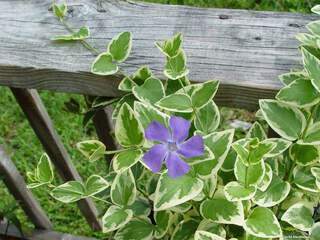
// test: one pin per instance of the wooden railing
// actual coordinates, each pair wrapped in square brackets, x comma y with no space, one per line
[245,50]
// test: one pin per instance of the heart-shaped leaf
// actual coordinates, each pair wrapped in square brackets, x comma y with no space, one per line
[103,65]
[151,91]
[92,149]
[263,223]
[126,159]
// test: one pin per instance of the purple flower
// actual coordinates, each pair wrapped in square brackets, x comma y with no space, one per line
[172,146]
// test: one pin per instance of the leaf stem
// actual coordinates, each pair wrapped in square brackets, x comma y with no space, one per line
[82,41]
[101,200]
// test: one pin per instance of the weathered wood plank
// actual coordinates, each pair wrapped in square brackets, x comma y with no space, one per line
[10,232]
[246,50]
[31,104]
[18,188]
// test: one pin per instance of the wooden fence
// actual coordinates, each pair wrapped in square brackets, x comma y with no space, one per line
[245,50]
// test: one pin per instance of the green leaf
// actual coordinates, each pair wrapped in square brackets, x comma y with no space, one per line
[299,216]
[103,65]
[137,79]
[225,212]
[129,99]
[316,173]
[136,229]
[206,156]
[259,151]
[263,223]
[128,129]
[312,136]
[240,148]
[210,185]
[277,191]
[95,184]
[185,230]
[176,103]
[304,179]
[44,170]
[147,113]
[313,27]
[290,77]
[229,162]
[60,10]
[151,91]
[315,231]
[172,192]
[115,218]
[68,192]
[126,159]
[207,118]
[307,39]
[316,9]
[203,235]
[123,189]
[82,33]
[280,146]
[256,131]
[234,191]
[140,207]
[304,155]
[284,119]
[176,66]
[219,143]
[163,221]
[267,178]
[312,65]
[171,46]
[299,93]
[212,227]
[249,175]
[120,46]
[204,93]
[92,149]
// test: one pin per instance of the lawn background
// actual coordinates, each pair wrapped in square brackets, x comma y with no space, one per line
[25,149]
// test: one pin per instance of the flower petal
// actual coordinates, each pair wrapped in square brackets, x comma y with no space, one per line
[157,132]
[194,147]
[176,166]
[179,128]
[154,157]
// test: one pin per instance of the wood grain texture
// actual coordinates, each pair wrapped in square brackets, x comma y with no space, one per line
[11,232]
[32,106]
[245,50]
[18,188]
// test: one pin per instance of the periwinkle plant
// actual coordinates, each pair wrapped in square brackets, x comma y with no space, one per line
[211,186]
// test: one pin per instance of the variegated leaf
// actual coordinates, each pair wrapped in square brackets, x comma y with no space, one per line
[204,93]
[304,179]
[172,192]
[123,189]
[163,222]
[207,118]
[120,46]
[95,184]
[176,103]
[261,222]
[225,212]
[249,175]
[126,159]
[235,191]
[304,155]
[286,120]
[128,129]
[115,218]
[92,149]
[150,92]
[136,229]
[176,66]
[219,143]
[185,230]
[68,192]
[299,216]
[276,192]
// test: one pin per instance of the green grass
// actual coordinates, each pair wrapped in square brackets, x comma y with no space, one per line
[25,149]
[303,6]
